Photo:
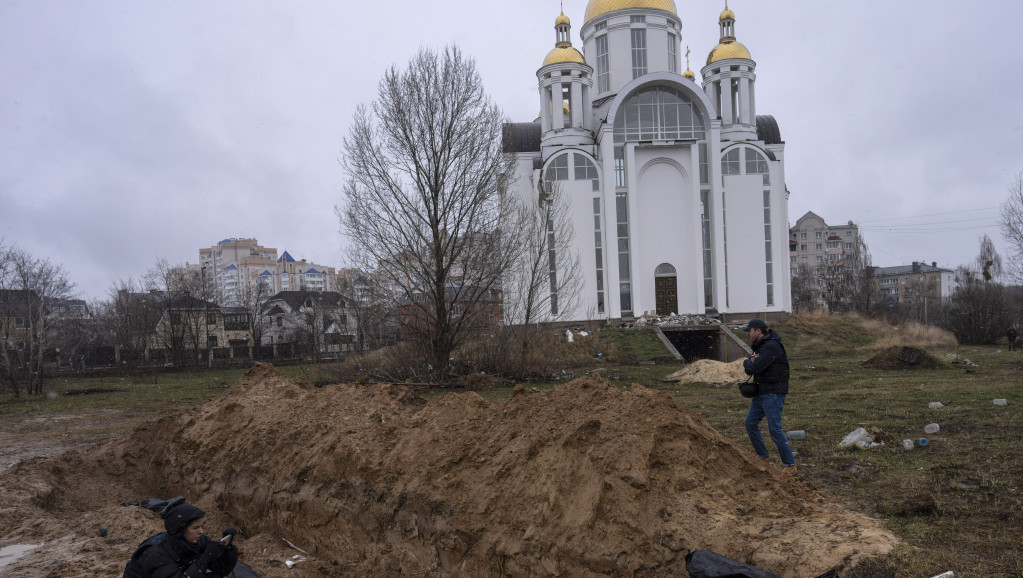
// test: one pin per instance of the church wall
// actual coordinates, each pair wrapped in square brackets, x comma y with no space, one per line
[747,258]
[665,225]
[580,195]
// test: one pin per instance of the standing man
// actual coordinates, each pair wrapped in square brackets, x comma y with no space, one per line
[1011,336]
[769,367]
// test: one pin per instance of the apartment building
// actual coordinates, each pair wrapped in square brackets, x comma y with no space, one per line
[240,268]
[815,244]
[908,284]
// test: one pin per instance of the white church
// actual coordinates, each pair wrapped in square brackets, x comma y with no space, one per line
[675,186]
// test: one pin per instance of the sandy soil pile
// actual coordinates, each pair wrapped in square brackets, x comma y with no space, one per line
[583,480]
[710,372]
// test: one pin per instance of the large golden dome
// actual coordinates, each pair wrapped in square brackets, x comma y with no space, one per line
[726,50]
[563,54]
[597,7]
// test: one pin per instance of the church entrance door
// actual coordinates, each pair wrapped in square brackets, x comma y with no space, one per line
[666,289]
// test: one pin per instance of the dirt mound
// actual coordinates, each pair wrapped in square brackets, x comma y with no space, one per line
[583,480]
[899,357]
[711,372]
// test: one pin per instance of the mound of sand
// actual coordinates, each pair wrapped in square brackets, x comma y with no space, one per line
[710,372]
[582,480]
[897,357]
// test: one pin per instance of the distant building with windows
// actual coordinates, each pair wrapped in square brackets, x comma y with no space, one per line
[239,269]
[908,284]
[814,243]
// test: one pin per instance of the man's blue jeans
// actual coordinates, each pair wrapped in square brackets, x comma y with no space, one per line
[768,405]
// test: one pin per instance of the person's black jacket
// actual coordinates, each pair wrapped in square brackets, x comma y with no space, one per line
[771,368]
[1011,334]
[169,560]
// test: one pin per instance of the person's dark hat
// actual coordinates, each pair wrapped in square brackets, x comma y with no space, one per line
[755,323]
[178,518]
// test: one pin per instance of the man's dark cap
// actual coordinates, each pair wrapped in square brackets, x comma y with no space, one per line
[755,323]
[179,517]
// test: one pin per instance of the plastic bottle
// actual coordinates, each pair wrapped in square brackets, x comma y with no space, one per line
[935,405]
[907,444]
[931,428]
[1000,402]
[854,436]
[922,442]
[796,434]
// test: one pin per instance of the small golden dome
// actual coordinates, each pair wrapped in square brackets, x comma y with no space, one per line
[564,54]
[598,7]
[728,49]
[562,19]
[689,74]
[727,14]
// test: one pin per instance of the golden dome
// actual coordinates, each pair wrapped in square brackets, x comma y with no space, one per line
[689,74]
[598,7]
[728,49]
[562,19]
[564,54]
[727,14]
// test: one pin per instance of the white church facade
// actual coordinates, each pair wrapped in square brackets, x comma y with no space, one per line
[675,187]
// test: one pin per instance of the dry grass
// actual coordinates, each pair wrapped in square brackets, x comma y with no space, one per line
[824,333]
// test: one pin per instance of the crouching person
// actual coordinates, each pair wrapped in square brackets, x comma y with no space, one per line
[186,551]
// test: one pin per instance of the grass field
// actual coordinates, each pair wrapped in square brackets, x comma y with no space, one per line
[957,503]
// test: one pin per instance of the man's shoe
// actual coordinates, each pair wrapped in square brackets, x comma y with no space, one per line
[790,470]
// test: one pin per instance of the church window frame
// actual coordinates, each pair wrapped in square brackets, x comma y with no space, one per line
[557,168]
[658,112]
[672,52]
[584,168]
[769,259]
[603,64]
[639,63]
[730,163]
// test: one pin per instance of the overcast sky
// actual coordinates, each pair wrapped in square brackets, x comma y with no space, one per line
[132,131]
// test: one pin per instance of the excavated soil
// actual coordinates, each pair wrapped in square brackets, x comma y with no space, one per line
[580,481]
[710,372]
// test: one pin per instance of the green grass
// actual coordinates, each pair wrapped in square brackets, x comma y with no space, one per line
[957,504]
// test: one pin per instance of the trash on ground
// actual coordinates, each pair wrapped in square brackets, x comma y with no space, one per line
[294,560]
[935,405]
[907,444]
[922,442]
[1000,402]
[797,434]
[931,428]
[858,434]
[707,564]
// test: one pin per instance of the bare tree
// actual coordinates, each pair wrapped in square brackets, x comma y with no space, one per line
[543,284]
[989,262]
[182,296]
[1012,227]
[252,298]
[805,291]
[426,198]
[979,309]
[32,288]
[864,293]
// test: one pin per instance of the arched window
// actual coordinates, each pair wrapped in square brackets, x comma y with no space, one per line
[658,113]
[557,170]
[664,269]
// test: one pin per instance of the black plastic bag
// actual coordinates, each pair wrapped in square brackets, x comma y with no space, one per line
[707,564]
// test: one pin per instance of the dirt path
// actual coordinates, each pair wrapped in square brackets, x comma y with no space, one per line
[583,480]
